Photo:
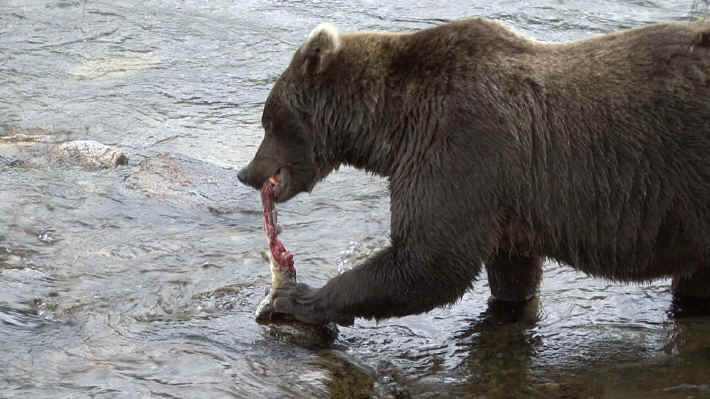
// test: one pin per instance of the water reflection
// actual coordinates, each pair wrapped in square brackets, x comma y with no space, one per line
[499,347]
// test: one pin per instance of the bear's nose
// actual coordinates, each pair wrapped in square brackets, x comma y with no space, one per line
[243,175]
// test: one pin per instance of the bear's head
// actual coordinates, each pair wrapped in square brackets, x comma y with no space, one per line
[294,151]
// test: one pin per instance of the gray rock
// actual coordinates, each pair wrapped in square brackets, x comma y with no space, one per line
[184,181]
[88,153]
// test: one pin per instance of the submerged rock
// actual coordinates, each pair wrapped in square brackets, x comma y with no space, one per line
[301,334]
[348,377]
[184,181]
[88,153]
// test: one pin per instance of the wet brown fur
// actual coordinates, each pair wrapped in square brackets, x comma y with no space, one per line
[501,150]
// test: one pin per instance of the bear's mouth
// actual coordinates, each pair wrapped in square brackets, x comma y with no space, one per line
[279,181]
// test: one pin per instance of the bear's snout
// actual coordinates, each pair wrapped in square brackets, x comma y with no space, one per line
[243,176]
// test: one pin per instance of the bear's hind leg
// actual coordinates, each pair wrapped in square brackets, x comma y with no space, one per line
[696,285]
[513,277]
[691,293]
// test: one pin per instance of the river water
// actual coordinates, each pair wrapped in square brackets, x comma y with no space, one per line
[140,281]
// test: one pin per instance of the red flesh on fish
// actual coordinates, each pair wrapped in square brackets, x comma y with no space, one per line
[279,254]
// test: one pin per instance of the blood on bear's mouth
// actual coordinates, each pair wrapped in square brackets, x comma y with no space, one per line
[278,182]
[275,182]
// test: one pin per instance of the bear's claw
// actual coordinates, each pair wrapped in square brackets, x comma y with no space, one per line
[300,302]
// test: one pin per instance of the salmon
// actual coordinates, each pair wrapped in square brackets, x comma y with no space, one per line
[280,259]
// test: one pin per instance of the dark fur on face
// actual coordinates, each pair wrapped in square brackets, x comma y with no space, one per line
[500,150]
[289,145]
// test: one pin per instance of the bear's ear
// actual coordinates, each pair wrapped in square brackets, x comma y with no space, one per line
[321,46]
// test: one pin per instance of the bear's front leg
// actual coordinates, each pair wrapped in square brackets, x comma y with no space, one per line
[393,282]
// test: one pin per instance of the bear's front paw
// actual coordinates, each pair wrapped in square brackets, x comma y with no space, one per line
[302,303]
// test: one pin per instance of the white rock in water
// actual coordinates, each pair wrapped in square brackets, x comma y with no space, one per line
[88,153]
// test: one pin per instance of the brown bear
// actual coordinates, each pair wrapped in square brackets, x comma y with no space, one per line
[500,151]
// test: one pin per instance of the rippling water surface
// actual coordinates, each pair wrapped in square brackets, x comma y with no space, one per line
[141,281]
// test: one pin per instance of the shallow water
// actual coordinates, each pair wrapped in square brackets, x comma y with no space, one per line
[141,281]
